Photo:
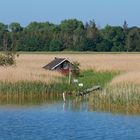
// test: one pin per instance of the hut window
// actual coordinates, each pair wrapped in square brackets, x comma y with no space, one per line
[65,65]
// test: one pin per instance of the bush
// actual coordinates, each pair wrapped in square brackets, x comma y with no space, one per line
[7,59]
[75,69]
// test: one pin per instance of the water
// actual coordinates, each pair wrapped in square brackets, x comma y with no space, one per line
[65,121]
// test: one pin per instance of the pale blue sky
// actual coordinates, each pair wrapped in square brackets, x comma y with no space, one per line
[112,12]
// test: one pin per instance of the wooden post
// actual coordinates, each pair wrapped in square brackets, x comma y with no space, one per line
[64,97]
[70,74]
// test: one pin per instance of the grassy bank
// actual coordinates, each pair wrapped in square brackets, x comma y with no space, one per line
[89,78]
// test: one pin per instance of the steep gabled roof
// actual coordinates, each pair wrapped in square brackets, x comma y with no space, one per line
[53,64]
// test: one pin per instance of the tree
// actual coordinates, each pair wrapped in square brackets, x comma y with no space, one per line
[79,39]
[125,31]
[125,27]
[3,36]
[15,27]
[133,40]
[75,69]
[69,32]
[103,46]
[114,36]
[55,45]
[92,35]
[71,25]
[92,30]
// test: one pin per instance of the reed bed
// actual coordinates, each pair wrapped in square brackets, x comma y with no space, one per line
[127,64]
[127,77]
[89,78]
[27,69]
[119,98]
[98,62]
[29,66]
[28,76]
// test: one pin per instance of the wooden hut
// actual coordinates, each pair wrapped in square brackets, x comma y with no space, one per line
[59,64]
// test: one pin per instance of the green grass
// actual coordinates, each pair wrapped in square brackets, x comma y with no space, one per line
[93,78]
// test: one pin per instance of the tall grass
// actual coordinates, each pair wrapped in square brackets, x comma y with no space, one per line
[127,77]
[124,98]
[123,94]
[25,73]
[29,66]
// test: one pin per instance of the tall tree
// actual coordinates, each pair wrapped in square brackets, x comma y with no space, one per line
[125,30]
[69,29]
[133,40]
[3,36]
[114,36]
[15,27]
[92,35]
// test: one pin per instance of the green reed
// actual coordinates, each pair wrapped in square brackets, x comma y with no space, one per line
[89,78]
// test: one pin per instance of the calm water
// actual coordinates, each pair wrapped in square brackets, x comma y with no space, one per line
[65,121]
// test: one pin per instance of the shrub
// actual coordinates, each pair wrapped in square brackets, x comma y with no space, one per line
[7,59]
[75,69]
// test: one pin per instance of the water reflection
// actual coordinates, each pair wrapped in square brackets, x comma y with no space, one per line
[76,104]
[29,100]
[113,108]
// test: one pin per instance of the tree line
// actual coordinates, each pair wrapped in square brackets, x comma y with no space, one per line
[69,35]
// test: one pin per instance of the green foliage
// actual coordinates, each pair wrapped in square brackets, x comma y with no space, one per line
[15,27]
[3,27]
[92,36]
[69,26]
[70,35]
[3,36]
[114,36]
[75,69]
[55,45]
[133,40]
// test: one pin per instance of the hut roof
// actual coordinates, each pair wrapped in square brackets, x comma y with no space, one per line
[55,63]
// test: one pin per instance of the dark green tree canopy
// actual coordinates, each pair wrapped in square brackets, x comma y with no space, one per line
[71,25]
[70,34]
[3,27]
[15,27]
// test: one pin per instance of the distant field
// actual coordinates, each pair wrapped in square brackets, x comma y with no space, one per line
[29,66]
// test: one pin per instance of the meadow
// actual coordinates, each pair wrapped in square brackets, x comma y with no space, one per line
[119,74]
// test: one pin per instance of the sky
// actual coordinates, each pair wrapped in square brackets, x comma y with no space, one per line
[112,12]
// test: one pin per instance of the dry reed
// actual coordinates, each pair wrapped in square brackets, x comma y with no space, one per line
[29,66]
[27,69]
